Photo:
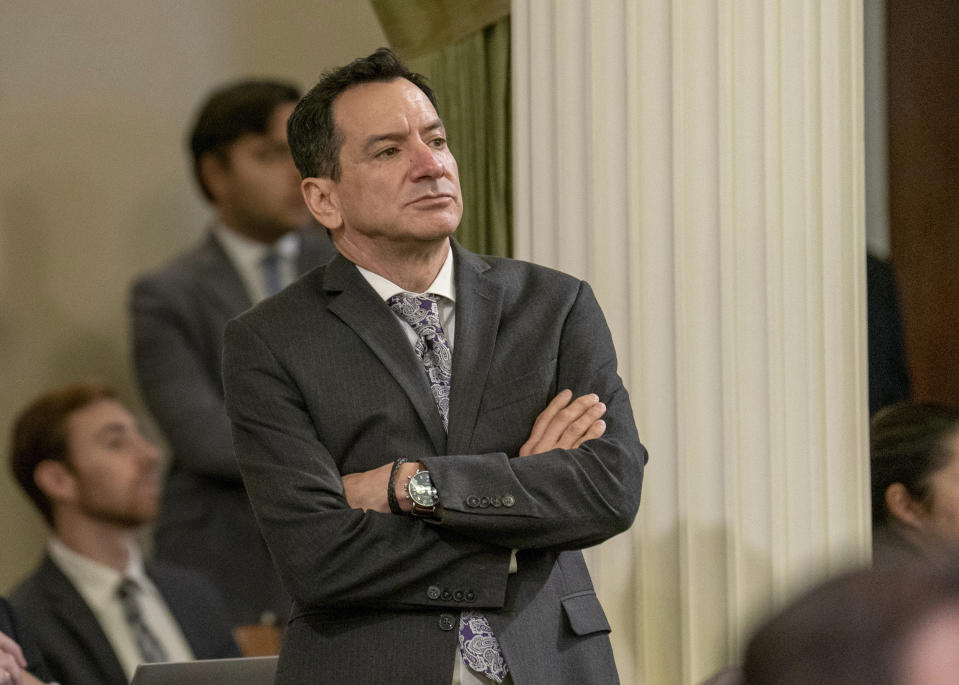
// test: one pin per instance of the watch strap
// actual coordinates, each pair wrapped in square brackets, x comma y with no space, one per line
[391,487]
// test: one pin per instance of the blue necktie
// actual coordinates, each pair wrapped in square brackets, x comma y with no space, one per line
[271,272]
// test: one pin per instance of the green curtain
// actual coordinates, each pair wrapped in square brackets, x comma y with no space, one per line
[472,84]
[471,78]
[421,27]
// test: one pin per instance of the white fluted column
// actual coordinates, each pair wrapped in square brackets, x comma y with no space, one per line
[701,164]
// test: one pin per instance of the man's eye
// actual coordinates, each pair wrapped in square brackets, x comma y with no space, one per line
[438,142]
[388,152]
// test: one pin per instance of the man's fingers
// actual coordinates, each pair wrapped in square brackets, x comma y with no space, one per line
[566,424]
[595,430]
[575,434]
[8,646]
[556,405]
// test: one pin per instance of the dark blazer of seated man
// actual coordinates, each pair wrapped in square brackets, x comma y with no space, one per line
[410,415]
[94,606]
[18,654]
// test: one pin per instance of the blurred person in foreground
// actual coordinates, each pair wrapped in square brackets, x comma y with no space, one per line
[260,239]
[95,608]
[892,626]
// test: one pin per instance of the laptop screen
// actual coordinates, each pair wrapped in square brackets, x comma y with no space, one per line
[257,670]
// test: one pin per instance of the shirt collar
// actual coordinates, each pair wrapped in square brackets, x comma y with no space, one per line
[246,251]
[96,582]
[441,285]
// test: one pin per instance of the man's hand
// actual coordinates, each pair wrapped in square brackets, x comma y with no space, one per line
[566,424]
[367,490]
[12,662]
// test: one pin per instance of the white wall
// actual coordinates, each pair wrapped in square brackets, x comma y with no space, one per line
[95,99]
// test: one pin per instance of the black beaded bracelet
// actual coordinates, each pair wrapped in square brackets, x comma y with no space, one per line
[391,489]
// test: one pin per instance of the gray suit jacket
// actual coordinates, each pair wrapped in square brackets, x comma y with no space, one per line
[75,648]
[321,381]
[178,315]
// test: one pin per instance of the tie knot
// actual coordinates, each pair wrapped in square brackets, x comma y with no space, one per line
[416,310]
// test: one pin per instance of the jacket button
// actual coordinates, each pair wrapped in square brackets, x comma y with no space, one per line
[470,595]
[484,502]
[433,592]
[458,595]
[472,501]
[447,595]
[447,621]
[496,501]
[508,500]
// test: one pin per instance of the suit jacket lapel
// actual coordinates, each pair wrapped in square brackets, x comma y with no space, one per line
[478,306]
[359,307]
[78,619]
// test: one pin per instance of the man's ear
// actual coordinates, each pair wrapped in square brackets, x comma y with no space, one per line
[321,199]
[55,480]
[213,171]
[903,507]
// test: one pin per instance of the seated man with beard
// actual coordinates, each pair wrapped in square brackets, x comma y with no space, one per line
[94,607]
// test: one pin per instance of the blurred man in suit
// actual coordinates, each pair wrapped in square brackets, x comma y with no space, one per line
[93,606]
[428,436]
[257,244]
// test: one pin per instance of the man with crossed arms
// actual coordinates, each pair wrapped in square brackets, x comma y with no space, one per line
[405,422]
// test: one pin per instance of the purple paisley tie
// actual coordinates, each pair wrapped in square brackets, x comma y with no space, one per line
[478,644]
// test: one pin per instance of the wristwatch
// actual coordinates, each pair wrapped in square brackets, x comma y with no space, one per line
[422,494]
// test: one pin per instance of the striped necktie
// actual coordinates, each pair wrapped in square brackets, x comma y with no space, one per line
[150,648]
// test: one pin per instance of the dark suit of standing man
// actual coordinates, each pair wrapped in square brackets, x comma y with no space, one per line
[328,398]
[244,168]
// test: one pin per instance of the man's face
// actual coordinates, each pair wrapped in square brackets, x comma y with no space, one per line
[115,470]
[399,182]
[941,517]
[257,187]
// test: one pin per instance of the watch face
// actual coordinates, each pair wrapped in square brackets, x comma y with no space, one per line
[421,489]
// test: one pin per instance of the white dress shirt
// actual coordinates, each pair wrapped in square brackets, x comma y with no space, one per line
[98,584]
[441,285]
[247,255]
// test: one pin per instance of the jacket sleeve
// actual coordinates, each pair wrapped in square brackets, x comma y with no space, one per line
[561,499]
[177,383]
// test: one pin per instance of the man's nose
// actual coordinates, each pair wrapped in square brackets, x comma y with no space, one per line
[426,161]
[149,452]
